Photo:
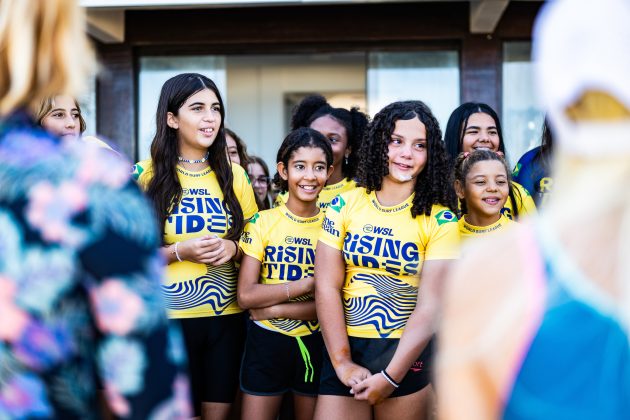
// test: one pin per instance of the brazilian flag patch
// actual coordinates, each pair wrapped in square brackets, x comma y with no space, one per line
[445,216]
[517,169]
[254,218]
[137,171]
[337,203]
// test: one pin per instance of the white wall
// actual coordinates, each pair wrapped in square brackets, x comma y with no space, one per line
[256,86]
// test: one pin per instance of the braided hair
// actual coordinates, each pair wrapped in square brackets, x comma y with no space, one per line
[433,185]
[354,121]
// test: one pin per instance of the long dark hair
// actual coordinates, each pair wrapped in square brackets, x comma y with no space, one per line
[433,185]
[300,137]
[454,136]
[354,121]
[164,189]
[543,156]
[241,147]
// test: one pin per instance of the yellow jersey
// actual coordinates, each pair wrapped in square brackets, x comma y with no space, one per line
[524,201]
[326,195]
[285,245]
[384,249]
[466,230]
[195,290]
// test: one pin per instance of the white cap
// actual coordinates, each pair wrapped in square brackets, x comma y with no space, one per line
[580,45]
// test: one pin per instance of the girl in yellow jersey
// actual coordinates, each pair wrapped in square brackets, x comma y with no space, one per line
[379,263]
[283,351]
[482,183]
[344,129]
[472,126]
[202,202]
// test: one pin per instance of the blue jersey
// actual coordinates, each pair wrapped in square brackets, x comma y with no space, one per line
[534,176]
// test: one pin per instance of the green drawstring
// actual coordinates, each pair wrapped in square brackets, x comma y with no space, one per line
[307,360]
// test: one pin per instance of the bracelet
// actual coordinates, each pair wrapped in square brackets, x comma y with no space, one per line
[238,249]
[286,287]
[389,379]
[177,253]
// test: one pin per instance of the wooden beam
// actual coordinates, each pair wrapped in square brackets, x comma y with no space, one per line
[108,26]
[485,15]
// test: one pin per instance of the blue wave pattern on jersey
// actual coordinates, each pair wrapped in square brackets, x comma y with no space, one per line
[216,288]
[388,310]
[289,325]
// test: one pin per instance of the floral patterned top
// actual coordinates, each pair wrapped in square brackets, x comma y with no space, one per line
[80,303]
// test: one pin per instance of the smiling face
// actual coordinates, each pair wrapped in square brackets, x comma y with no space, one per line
[197,123]
[486,190]
[480,132]
[306,173]
[63,120]
[336,133]
[407,150]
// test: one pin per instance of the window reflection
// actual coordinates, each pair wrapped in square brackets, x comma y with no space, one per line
[522,117]
[430,76]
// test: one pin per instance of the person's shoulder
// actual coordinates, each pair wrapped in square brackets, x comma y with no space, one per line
[522,190]
[270,215]
[239,173]
[349,199]
[142,169]
[24,145]
[441,214]
[281,199]
[355,194]
[529,156]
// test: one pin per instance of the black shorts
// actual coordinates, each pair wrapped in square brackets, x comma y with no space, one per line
[375,354]
[274,363]
[214,346]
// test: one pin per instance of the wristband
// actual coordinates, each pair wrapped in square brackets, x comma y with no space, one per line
[177,253]
[238,249]
[389,379]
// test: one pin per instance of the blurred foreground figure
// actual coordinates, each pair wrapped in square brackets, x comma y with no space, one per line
[80,306]
[536,321]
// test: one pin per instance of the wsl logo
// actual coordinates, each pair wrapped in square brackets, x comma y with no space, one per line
[194,191]
[297,241]
[377,230]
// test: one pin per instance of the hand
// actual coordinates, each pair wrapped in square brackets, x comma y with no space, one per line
[374,389]
[261,314]
[208,249]
[351,374]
